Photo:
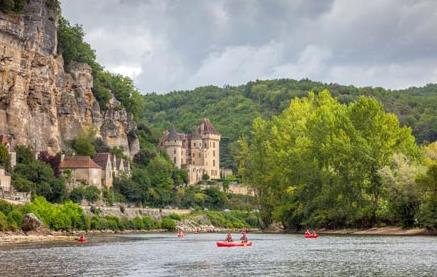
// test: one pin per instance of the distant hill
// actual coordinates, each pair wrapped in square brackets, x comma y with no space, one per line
[232,108]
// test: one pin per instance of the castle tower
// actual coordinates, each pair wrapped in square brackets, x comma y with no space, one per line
[173,147]
[210,152]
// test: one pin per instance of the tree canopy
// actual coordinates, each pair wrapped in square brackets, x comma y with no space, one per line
[318,162]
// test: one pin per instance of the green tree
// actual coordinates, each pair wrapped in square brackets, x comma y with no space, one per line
[25,154]
[402,192]
[83,143]
[5,160]
[317,162]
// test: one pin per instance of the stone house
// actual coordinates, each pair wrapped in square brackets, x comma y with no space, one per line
[104,160]
[82,169]
[197,152]
[8,192]
[5,181]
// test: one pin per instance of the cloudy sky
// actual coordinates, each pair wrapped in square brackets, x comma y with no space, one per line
[183,44]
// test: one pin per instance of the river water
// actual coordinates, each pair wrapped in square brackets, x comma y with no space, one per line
[197,255]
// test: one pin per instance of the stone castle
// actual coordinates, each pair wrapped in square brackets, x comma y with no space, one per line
[197,152]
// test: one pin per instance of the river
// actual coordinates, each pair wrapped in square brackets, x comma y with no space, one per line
[197,255]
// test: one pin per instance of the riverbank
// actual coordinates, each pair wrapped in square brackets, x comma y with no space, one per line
[381,231]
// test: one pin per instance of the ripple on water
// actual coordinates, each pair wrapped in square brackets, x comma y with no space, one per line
[197,255]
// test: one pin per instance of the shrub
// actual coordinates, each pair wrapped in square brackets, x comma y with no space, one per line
[15,217]
[168,224]
[175,217]
[5,207]
[137,223]
[150,223]
[3,222]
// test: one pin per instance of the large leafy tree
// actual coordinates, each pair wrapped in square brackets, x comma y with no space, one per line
[317,162]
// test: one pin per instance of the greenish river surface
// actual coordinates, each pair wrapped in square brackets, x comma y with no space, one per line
[197,255]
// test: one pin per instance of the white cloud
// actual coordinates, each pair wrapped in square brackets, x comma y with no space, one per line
[167,45]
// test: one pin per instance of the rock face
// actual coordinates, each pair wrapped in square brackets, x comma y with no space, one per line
[31,223]
[43,104]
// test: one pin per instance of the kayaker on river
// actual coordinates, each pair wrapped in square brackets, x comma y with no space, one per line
[229,237]
[244,237]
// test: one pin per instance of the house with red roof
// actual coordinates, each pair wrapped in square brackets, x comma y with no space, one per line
[81,170]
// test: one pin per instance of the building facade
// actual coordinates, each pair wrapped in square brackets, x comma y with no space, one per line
[198,152]
[104,161]
[81,169]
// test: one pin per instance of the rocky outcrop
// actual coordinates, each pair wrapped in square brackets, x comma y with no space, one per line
[43,104]
[32,224]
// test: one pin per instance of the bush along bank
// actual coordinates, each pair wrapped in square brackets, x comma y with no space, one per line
[70,217]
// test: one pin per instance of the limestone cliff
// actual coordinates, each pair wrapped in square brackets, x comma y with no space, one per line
[43,104]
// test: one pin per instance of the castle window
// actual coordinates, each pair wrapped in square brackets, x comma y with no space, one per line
[174,159]
[194,144]
[213,144]
[213,153]
[199,155]
[174,151]
[213,162]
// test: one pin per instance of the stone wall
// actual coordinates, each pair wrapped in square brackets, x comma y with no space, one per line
[133,212]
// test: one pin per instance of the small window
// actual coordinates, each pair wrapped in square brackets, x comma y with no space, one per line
[213,162]
[174,159]
[194,144]
[174,151]
[213,153]
[199,155]
[213,144]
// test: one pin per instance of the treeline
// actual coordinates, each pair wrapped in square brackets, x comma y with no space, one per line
[233,108]
[322,163]
[154,181]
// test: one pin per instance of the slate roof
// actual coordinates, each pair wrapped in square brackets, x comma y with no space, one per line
[102,159]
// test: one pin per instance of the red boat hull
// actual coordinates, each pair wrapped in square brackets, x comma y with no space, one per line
[233,244]
[311,236]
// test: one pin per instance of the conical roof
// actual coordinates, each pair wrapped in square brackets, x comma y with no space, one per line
[173,135]
[206,127]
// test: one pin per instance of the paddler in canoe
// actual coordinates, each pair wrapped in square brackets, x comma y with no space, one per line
[229,237]
[244,238]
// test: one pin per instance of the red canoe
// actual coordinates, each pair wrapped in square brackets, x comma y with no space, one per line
[311,236]
[233,244]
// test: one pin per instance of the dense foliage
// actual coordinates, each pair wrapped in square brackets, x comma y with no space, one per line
[70,216]
[326,164]
[232,109]
[37,177]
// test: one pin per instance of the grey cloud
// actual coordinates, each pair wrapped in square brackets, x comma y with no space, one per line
[175,44]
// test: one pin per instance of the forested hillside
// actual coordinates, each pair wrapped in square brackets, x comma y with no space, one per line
[232,109]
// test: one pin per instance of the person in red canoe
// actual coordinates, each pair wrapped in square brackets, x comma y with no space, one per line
[244,237]
[229,237]
[307,232]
